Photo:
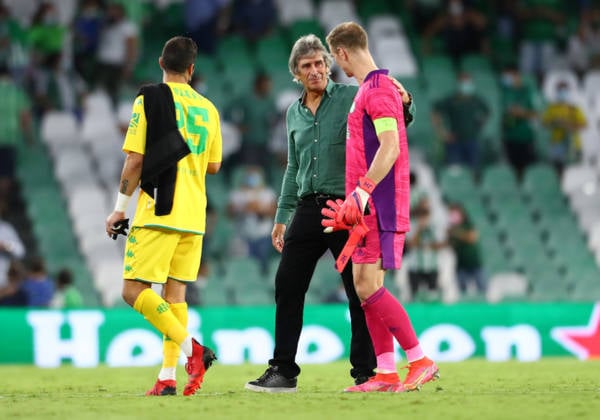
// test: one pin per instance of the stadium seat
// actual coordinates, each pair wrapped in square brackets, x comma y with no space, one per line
[272,51]
[540,178]
[292,11]
[383,25]
[304,27]
[440,76]
[332,12]
[498,179]
[576,176]
[59,130]
[506,287]
[457,182]
[401,63]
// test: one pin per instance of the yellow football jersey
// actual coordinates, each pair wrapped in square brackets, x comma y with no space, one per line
[198,122]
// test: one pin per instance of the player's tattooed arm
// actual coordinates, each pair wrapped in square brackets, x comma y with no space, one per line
[124,183]
[132,171]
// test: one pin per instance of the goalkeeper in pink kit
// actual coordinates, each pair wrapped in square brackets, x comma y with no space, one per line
[377,183]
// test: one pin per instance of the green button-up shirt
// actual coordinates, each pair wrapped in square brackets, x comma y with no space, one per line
[316,149]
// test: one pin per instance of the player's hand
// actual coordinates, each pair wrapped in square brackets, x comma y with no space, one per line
[352,210]
[277,235]
[331,221]
[116,224]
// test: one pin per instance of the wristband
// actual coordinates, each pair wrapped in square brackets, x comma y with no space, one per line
[367,184]
[122,202]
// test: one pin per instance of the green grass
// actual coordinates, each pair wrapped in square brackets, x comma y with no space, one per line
[475,389]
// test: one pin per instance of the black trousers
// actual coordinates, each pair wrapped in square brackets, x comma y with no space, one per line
[304,244]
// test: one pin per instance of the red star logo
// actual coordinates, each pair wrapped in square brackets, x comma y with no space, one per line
[584,342]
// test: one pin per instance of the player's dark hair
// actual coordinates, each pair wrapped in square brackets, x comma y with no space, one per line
[178,53]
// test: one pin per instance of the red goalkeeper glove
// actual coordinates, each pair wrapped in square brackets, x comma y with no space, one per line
[352,210]
[331,221]
[357,233]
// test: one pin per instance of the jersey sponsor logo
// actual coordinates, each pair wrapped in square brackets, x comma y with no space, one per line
[134,121]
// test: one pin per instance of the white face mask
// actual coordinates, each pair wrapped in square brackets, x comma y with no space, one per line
[563,95]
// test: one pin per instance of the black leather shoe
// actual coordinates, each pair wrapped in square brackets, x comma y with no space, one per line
[272,381]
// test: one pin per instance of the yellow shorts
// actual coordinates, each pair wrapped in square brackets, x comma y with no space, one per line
[153,255]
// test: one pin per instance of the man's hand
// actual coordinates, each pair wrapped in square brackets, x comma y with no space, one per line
[277,236]
[117,224]
[406,99]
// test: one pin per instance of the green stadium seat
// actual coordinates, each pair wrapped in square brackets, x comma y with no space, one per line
[272,51]
[244,272]
[215,292]
[254,296]
[325,277]
[217,190]
[304,27]
[498,179]
[439,75]
[476,64]
[540,179]
[457,182]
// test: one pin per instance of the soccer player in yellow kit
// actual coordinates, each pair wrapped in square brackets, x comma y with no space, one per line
[166,248]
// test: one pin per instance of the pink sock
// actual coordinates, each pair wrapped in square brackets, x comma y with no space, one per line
[393,315]
[414,354]
[383,341]
[386,363]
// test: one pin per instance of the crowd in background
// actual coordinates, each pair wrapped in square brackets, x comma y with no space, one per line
[49,62]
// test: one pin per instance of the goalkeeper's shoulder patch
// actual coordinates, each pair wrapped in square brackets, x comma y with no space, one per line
[385,124]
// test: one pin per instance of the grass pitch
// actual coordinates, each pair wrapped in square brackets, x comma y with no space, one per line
[549,389]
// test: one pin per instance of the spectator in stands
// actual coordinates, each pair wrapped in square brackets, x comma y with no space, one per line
[463,237]
[459,120]
[583,47]
[46,35]
[11,247]
[422,256]
[10,32]
[12,294]
[462,28]
[38,285]
[418,195]
[204,21]
[253,19]
[15,126]
[519,112]
[117,50]
[86,37]
[423,12]
[66,295]
[255,115]
[56,88]
[252,205]
[505,32]
[564,119]
[541,24]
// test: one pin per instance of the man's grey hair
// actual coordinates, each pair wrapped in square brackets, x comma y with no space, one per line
[305,46]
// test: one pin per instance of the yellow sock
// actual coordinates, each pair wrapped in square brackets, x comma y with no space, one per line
[171,349]
[156,310]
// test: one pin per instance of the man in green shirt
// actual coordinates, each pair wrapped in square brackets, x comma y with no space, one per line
[519,112]
[255,116]
[316,132]
[459,119]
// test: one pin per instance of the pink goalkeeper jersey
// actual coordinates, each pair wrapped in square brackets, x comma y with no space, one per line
[377,98]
